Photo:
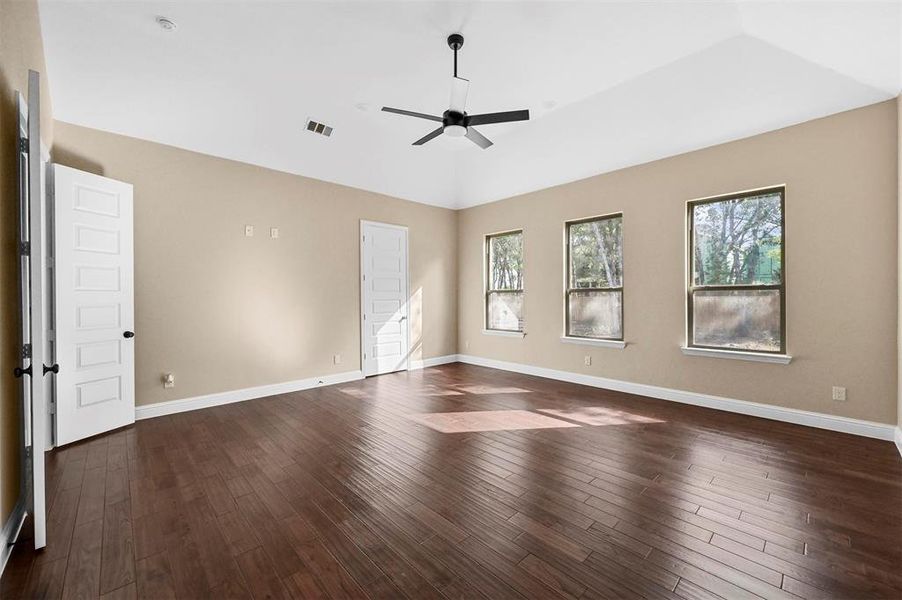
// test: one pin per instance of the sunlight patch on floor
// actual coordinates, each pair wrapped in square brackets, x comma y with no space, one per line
[487,420]
[491,389]
[598,415]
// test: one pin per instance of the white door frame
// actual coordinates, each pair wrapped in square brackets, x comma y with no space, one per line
[404,228]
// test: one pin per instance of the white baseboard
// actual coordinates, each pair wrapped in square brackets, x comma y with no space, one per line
[185,404]
[10,533]
[432,362]
[870,429]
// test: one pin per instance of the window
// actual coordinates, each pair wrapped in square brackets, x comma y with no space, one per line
[594,302]
[504,285]
[737,295]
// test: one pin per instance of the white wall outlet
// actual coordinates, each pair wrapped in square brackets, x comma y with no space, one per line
[839,393]
[467,345]
[168,380]
[336,359]
[587,360]
[248,231]
[274,233]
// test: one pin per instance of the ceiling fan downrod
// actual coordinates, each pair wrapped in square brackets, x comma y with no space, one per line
[455,42]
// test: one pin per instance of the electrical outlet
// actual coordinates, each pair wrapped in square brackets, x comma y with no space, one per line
[587,360]
[336,359]
[839,393]
[274,233]
[248,231]
[467,345]
[168,380]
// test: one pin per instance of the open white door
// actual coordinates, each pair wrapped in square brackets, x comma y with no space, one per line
[384,298]
[94,285]
[31,278]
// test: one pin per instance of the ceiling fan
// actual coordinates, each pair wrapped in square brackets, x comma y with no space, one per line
[455,121]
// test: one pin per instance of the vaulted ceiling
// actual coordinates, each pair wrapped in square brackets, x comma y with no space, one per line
[608,84]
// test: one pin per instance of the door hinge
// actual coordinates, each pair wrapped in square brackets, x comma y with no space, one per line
[23,144]
[53,408]
[364,356]
[26,351]
[25,248]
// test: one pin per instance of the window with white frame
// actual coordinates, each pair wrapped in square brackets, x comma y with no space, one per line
[737,281]
[594,296]
[504,282]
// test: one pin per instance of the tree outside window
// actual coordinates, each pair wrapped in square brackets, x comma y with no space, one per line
[504,285]
[737,286]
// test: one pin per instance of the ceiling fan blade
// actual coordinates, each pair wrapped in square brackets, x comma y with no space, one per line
[478,139]
[498,117]
[410,113]
[432,134]
[459,89]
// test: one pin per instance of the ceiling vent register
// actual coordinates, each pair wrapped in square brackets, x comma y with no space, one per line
[319,128]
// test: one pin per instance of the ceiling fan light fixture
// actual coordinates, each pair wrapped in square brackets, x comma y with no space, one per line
[455,130]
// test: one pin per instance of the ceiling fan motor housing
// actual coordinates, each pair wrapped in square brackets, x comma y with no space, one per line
[454,123]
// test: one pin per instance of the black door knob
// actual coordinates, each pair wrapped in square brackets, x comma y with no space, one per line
[128,334]
[18,372]
[54,369]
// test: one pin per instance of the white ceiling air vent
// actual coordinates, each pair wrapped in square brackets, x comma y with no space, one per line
[319,128]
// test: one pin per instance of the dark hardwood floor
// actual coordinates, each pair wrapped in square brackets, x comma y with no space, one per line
[346,492]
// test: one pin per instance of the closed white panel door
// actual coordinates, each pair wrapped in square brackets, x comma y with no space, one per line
[94,280]
[384,298]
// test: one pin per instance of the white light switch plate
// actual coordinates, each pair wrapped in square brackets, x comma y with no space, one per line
[249,231]
[274,233]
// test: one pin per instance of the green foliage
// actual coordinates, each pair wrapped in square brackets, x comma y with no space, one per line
[596,253]
[738,241]
[506,261]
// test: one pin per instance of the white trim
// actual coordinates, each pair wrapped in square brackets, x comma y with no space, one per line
[10,532]
[779,359]
[432,362]
[898,439]
[619,344]
[503,333]
[881,431]
[406,230]
[185,404]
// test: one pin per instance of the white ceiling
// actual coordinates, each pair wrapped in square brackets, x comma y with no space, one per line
[608,84]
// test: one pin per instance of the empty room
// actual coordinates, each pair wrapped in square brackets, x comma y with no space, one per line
[466,300]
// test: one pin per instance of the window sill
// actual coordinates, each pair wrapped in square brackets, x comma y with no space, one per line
[502,333]
[779,359]
[619,344]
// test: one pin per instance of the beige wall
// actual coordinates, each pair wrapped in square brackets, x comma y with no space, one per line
[841,189]
[20,50]
[224,312]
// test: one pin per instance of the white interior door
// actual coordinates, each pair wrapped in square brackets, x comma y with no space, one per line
[384,298]
[31,279]
[94,284]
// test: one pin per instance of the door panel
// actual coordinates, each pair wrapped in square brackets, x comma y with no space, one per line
[31,287]
[95,304]
[384,298]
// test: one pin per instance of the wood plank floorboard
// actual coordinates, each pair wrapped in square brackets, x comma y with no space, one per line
[337,492]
